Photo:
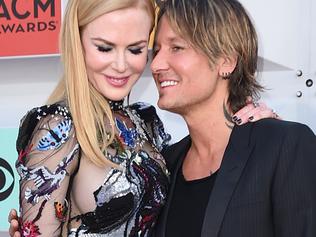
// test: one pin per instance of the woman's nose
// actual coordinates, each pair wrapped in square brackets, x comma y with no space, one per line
[120,63]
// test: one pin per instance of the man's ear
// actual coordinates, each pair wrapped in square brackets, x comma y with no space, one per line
[227,65]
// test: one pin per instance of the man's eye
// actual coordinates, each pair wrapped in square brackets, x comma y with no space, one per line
[104,49]
[136,51]
[176,48]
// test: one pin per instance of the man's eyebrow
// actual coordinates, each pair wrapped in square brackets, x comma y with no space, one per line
[171,39]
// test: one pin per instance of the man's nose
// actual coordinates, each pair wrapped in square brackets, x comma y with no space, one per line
[159,62]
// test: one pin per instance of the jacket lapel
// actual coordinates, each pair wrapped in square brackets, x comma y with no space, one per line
[176,153]
[234,161]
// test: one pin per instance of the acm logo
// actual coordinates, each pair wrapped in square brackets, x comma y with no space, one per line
[6,179]
[29,27]
[19,17]
[34,9]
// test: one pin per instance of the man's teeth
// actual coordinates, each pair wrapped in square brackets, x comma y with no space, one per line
[168,83]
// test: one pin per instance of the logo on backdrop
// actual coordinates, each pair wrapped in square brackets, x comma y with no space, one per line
[29,27]
[6,179]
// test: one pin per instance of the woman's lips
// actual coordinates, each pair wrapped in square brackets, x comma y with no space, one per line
[117,81]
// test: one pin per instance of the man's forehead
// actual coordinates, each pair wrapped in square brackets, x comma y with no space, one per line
[166,31]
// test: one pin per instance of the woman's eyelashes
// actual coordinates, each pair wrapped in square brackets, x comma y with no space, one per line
[106,49]
[136,50]
[103,49]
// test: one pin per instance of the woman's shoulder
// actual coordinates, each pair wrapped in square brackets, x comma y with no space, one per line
[47,110]
[54,118]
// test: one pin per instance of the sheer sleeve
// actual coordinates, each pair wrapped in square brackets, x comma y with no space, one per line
[48,156]
[155,128]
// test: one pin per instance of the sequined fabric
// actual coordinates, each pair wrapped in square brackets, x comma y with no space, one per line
[131,196]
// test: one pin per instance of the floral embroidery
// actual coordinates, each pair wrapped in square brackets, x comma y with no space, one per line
[61,211]
[29,229]
[128,202]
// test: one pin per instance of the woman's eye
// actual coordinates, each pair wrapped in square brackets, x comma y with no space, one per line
[104,49]
[136,51]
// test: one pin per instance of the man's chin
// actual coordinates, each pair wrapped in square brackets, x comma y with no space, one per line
[167,107]
[162,105]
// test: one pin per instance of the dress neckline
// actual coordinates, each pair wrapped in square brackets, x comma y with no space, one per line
[116,105]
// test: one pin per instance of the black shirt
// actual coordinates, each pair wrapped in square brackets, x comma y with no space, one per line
[188,204]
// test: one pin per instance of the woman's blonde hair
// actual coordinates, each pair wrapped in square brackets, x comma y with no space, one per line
[89,109]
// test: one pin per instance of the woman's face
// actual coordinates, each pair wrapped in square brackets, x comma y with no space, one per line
[115,47]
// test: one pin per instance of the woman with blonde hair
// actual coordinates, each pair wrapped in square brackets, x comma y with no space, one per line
[66,184]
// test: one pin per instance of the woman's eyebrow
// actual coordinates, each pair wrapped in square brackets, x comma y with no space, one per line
[112,44]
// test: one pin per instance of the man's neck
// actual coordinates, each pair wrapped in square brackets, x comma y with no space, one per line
[210,135]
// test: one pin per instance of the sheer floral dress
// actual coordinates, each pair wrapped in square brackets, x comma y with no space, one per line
[63,194]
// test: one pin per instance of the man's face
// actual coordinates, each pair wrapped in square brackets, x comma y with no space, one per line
[183,75]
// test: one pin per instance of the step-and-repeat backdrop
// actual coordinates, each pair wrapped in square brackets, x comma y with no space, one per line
[27,29]
[9,178]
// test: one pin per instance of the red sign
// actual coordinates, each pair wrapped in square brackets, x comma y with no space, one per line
[29,27]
